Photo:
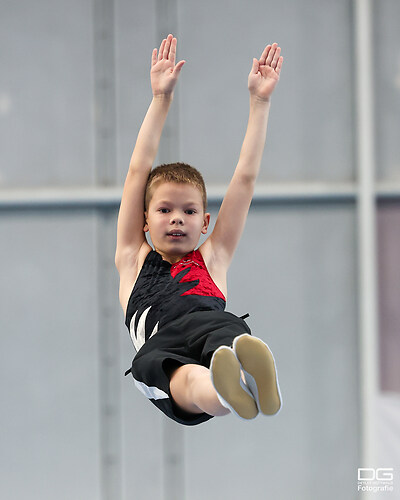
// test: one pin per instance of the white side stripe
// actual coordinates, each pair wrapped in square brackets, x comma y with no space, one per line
[151,392]
[132,329]
[155,330]
[138,335]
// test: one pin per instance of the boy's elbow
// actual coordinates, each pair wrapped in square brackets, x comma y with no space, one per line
[117,260]
[247,180]
[246,170]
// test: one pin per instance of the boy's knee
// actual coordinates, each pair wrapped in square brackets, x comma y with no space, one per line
[194,373]
[183,387]
[186,376]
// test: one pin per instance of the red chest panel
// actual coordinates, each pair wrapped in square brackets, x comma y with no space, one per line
[198,271]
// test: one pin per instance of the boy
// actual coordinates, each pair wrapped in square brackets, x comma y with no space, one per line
[194,360]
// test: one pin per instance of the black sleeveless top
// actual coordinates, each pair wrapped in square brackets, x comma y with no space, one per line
[164,292]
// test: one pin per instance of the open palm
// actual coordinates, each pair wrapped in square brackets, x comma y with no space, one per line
[264,74]
[164,73]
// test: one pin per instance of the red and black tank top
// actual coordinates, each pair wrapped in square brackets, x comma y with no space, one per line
[164,292]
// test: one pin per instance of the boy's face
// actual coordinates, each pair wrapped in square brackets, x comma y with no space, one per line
[175,219]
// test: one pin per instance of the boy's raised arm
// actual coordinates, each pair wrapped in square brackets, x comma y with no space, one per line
[231,219]
[164,75]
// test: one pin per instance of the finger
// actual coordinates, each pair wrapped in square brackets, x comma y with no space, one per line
[154,57]
[172,52]
[167,46]
[271,54]
[279,65]
[161,51]
[265,54]
[275,59]
[178,68]
[254,69]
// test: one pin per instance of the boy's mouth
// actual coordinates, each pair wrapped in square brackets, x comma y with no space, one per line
[176,234]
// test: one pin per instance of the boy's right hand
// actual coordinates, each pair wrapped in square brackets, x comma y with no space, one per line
[164,73]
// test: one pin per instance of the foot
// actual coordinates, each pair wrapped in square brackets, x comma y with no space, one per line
[226,378]
[258,365]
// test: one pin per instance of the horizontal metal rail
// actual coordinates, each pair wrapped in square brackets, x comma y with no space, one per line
[110,197]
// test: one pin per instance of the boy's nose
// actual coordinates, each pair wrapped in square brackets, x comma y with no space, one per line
[176,219]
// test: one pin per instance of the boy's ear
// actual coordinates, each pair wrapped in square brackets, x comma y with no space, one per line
[206,223]
[146,226]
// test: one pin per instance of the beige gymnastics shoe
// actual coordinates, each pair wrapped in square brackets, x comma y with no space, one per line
[261,376]
[231,390]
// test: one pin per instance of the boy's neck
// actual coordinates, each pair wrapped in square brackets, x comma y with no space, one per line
[172,259]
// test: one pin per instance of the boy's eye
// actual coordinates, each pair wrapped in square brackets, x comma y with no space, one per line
[190,211]
[164,210]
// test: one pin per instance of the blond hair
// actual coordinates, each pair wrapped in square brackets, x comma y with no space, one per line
[181,173]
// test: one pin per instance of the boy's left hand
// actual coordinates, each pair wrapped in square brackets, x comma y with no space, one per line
[264,74]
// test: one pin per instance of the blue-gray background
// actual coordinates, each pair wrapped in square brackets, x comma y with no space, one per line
[74,88]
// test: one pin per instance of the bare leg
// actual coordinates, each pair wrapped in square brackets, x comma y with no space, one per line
[193,391]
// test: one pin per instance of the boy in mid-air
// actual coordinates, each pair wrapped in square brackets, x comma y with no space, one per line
[194,360]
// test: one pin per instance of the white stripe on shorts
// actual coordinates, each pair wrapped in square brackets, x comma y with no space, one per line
[150,392]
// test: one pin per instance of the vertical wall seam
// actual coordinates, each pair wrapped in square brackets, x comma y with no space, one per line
[368,330]
[105,175]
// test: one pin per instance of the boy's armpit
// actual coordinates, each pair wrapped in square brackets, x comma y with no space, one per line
[129,267]
[217,265]
[132,258]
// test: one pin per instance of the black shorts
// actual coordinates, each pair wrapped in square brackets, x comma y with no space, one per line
[191,339]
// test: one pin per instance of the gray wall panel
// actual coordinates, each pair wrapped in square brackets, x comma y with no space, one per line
[49,374]
[135,40]
[46,93]
[310,131]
